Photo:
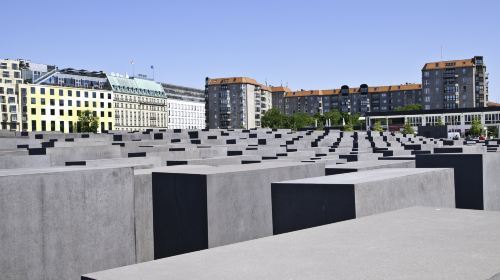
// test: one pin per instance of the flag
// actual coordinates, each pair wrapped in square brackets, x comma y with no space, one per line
[152,67]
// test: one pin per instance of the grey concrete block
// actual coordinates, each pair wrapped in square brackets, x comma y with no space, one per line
[415,243]
[477,180]
[205,207]
[367,165]
[143,215]
[309,202]
[58,223]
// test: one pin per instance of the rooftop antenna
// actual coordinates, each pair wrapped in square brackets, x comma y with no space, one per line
[441,52]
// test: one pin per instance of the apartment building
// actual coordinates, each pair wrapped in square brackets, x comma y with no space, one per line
[236,102]
[139,103]
[185,107]
[360,100]
[32,72]
[9,94]
[455,84]
[57,108]
[278,97]
[56,97]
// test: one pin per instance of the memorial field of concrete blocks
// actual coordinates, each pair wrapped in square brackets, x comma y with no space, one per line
[247,204]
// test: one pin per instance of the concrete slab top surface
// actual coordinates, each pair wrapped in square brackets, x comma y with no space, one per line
[399,157]
[206,170]
[368,164]
[58,169]
[413,243]
[365,176]
[485,154]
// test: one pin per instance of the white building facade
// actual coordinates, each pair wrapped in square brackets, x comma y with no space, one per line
[185,106]
[10,76]
[139,104]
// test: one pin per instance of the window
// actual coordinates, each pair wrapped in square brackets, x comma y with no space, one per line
[52,102]
[77,93]
[33,125]
[102,95]
[94,94]
[61,102]
[86,94]
[70,102]
[78,103]
[33,100]
[70,113]
[32,89]
[42,101]
[61,92]
[33,111]
[86,104]
[52,112]
[102,114]
[70,93]
[43,112]
[51,91]
[42,91]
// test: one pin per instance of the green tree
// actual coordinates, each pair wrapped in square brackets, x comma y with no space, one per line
[300,120]
[476,127]
[320,119]
[87,122]
[354,119]
[377,127]
[408,129]
[334,116]
[273,118]
[411,107]
[440,122]
[493,131]
[348,127]
[350,120]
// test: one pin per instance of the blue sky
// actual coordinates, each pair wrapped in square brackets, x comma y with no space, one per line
[305,44]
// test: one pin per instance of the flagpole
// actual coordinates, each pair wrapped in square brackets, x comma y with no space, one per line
[133,67]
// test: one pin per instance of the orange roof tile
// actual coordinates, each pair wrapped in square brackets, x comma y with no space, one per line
[378,89]
[280,89]
[233,80]
[492,104]
[449,64]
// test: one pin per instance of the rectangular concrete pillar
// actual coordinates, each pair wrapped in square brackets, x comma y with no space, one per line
[205,207]
[304,203]
[58,223]
[477,177]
